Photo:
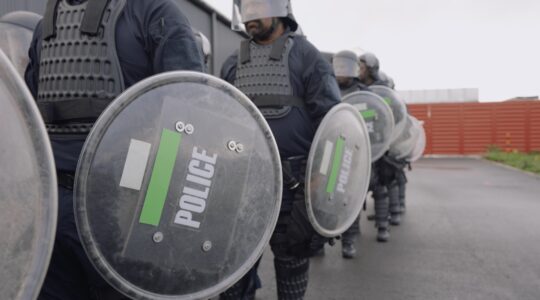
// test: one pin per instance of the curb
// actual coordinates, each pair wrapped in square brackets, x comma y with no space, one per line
[537,176]
[452,156]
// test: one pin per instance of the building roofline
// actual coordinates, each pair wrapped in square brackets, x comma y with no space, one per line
[219,16]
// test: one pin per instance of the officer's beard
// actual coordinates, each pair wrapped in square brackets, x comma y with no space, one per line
[260,34]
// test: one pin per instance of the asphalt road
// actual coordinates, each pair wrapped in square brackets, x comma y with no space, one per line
[471,231]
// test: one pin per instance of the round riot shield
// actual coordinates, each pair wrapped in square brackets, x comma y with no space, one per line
[378,117]
[404,145]
[28,192]
[399,109]
[178,188]
[16,30]
[338,171]
[420,145]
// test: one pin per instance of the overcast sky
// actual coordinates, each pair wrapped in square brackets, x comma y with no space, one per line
[493,45]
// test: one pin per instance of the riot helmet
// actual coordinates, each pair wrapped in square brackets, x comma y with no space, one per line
[249,10]
[345,64]
[369,66]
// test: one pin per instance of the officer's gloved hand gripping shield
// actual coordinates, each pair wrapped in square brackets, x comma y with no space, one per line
[178,188]
[378,117]
[28,192]
[338,171]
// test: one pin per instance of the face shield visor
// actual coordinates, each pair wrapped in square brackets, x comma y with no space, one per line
[249,10]
[346,66]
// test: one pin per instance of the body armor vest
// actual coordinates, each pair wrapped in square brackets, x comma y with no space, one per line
[263,74]
[79,70]
[349,90]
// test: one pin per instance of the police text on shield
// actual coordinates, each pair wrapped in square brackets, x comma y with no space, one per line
[197,188]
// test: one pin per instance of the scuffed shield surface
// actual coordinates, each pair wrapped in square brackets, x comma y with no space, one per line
[338,171]
[178,188]
[399,108]
[378,117]
[28,193]
[420,146]
[403,146]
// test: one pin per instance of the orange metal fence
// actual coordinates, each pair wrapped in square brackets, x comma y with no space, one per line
[469,128]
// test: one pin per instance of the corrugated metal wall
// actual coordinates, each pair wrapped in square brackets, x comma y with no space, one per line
[469,128]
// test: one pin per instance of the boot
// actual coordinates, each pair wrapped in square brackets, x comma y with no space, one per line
[348,250]
[382,234]
[395,219]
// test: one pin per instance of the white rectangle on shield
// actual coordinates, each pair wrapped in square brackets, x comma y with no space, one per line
[327,155]
[135,165]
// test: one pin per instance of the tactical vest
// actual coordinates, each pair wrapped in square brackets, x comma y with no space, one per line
[263,74]
[349,90]
[79,69]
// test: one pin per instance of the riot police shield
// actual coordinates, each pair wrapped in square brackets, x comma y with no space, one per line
[399,109]
[403,146]
[378,117]
[16,30]
[28,192]
[338,171]
[178,188]
[420,145]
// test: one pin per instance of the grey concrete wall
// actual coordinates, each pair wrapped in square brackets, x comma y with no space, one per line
[215,26]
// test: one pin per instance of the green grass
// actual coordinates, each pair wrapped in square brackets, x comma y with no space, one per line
[525,161]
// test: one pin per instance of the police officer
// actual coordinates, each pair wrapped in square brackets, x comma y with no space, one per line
[79,62]
[398,190]
[383,172]
[294,87]
[388,209]
[347,71]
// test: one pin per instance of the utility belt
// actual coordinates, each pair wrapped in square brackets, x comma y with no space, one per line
[277,106]
[71,128]
[399,164]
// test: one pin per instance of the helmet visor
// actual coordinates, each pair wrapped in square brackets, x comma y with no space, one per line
[345,67]
[260,9]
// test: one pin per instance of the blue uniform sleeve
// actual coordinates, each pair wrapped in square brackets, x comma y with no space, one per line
[228,69]
[170,40]
[31,74]
[320,85]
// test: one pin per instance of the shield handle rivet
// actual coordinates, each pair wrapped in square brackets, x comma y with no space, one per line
[232,145]
[189,129]
[180,127]
[207,246]
[158,237]
[239,148]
